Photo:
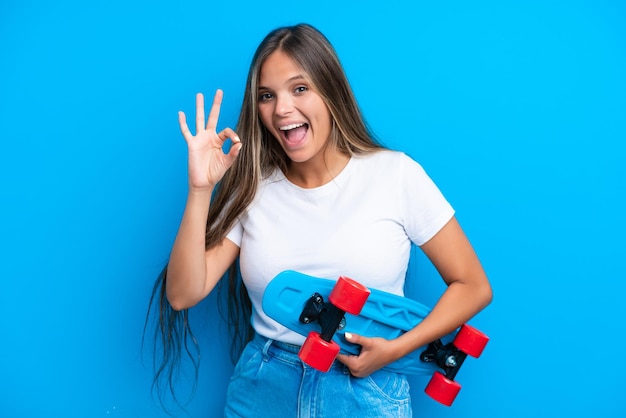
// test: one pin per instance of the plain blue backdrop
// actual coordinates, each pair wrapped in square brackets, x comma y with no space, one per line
[516,109]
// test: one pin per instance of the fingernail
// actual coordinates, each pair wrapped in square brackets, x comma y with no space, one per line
[348,335]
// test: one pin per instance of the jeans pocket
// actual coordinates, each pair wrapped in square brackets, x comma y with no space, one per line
[392,386]
[246,361]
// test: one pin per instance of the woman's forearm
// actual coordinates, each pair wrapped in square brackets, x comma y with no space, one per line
[458,304]
[186,271]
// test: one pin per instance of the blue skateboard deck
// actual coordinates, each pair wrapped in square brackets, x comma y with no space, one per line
[384,315]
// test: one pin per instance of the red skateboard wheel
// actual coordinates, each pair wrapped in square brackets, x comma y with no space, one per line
[470,341]
[349,295]
[318,353]
[442,389]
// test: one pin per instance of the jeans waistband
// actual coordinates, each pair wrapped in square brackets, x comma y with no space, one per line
[287,352]
[265,342]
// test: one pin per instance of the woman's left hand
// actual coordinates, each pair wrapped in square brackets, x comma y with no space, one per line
[375,354]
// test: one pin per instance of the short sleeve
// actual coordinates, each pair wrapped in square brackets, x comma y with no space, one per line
[236,233]
[424,208]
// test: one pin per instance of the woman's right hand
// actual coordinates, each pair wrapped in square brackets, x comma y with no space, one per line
[207,160]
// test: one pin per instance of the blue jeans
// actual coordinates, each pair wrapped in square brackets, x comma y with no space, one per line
[270,380]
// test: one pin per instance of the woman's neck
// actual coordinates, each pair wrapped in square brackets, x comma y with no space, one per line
[317,171]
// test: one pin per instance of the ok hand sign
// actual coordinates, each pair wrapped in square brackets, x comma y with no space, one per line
[207,160]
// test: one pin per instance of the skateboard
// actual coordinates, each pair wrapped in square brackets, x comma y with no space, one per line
[324,310]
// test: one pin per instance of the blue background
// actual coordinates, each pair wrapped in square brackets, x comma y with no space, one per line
[516,109]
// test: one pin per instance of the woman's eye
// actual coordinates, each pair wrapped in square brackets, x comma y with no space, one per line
[265,97]
[301,89]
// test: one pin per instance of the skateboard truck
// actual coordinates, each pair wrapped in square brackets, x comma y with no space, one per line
[450,357]
[328,315]
[319,350]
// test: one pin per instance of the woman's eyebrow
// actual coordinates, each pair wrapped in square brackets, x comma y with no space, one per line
[297,77]
[294,78]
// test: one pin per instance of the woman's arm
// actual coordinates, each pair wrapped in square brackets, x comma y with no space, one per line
[468,289]
[192,270]
[468,292]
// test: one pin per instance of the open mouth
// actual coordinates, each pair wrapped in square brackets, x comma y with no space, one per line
[295,132]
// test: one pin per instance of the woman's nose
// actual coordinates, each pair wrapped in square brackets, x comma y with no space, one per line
[284,105]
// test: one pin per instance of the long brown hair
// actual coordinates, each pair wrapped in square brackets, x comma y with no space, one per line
[260,155]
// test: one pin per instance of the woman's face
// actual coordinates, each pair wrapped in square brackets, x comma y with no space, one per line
[291,110]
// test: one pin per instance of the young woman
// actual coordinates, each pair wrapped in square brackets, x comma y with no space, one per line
[306,187]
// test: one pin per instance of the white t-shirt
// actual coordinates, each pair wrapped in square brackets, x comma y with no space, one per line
[359,225]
